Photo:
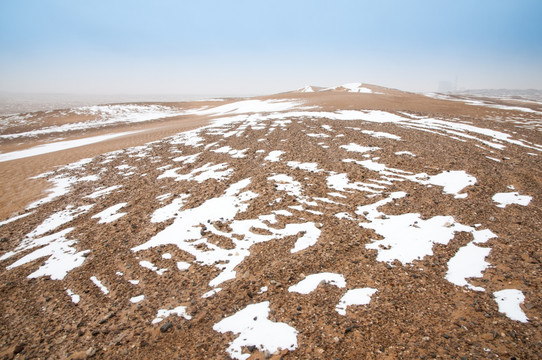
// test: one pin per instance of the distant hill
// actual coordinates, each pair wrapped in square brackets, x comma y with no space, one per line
[531,94]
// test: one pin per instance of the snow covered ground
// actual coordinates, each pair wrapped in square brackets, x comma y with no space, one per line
[210,205]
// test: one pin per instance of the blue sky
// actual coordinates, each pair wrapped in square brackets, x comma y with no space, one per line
[256,47]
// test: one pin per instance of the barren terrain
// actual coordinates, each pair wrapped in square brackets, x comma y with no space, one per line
[341,223]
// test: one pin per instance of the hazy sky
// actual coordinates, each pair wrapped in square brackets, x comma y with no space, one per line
[256,47]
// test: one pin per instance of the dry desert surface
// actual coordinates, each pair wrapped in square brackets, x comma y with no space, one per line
[343,223]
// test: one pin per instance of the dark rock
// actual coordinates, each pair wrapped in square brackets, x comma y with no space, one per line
[350,328]
[18,348]
[168,325]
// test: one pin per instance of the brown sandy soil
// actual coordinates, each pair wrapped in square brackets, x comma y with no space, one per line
[414,313]
[20,189]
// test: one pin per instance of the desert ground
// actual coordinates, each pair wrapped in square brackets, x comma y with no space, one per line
[349,222]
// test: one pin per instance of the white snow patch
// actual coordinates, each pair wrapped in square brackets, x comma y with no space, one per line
[296,207]
[62,256]
[271,218]
[103,192]
[468,262]
[508,301]
[283,212]
[305,89]
[255,329]
[274,156]
[110,214]
[148,265]
[186,232]
[287,183]
[355,297]
[376,116]
[312,167]
[99,284]
[311,282]
[210,293]
[126,167]
[351,87]
[334,194]
[54,221]
[379,134]
[169,211]
[163,197]
[453,129]
[187,159]
[15,218]
[89,178]
[504,199]
[405,153]
[250,106]
[183,265]
[341,182]
[59,146]
[201,174]
[236,154]
[104,115]
[358,148]
[75,298]
[61,187]
[452,182]
[164,313]
[326,200]
[136,299]
[188,138]
[312,233]
[406,237]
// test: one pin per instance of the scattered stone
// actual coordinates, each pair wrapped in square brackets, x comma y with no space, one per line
[415,301]
[18,348]
[106,317]
[168,325]
[488,336]
[91,352]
